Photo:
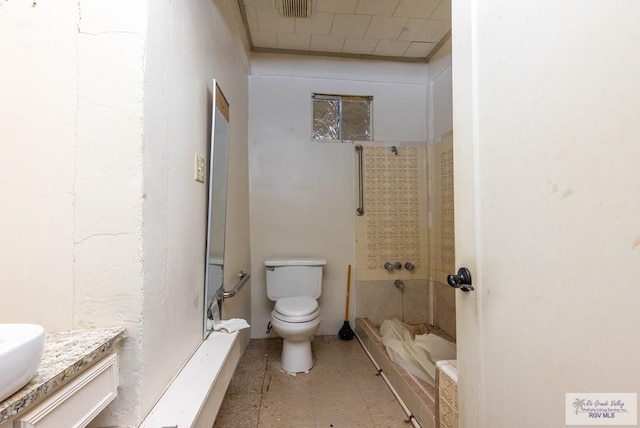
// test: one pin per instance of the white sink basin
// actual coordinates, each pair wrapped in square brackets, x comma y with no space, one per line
[21,348]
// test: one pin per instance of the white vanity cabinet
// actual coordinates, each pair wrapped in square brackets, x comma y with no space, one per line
[78,402]
[77,378]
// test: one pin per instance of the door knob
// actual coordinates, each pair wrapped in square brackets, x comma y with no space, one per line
[462,280]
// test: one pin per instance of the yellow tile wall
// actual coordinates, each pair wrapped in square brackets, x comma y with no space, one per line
[394,226]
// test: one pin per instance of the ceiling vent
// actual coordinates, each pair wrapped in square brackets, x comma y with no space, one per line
[294,8]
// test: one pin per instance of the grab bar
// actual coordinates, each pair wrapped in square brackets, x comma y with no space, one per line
[243,278]
[360,209]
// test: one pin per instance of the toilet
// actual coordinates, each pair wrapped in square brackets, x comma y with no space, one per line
[295,285]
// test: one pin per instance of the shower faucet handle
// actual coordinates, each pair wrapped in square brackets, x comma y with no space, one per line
[392,266]
[409,266]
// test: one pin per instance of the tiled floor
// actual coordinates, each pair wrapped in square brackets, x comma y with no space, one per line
[342,390]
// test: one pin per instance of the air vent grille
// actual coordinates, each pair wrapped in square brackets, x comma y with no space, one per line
[295,8]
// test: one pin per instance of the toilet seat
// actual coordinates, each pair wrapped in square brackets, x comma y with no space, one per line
[296,309]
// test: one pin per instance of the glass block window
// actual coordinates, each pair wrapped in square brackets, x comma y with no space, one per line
[341,118]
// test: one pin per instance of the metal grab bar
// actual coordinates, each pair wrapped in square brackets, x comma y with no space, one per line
[243,278]
[360,209]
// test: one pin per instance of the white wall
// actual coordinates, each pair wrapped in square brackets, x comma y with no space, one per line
[440,119]
[302,192]
[547,170]
[37,177]
[440,125]
[190,43]
[72,169]
[96,96]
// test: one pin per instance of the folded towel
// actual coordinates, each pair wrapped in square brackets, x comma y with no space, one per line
[229,326]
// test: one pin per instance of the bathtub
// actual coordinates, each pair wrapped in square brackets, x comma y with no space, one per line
[418,396]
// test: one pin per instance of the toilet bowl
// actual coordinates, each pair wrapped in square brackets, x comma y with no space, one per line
[296,320]
[295,285]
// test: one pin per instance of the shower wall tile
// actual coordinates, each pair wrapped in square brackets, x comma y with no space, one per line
[442,206]
[395,224]
[447,396]
[415,301]
[378,301]
[445,308]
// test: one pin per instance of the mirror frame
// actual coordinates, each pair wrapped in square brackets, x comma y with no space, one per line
[221,105]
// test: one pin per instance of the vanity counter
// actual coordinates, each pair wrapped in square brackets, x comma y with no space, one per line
[66,354]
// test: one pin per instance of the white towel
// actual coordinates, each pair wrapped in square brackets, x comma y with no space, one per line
[229,326]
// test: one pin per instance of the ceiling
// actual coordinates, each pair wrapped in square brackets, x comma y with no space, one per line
[396,30]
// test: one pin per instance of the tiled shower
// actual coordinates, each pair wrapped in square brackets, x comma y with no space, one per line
[408,218]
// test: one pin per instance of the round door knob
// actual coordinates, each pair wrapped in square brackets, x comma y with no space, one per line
[462,280]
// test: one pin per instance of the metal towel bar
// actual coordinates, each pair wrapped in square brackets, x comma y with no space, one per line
[360,209]
[243,278]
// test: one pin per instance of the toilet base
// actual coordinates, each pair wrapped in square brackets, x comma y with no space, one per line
[296,356]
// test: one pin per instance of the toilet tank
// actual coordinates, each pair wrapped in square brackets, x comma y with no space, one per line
[294,277]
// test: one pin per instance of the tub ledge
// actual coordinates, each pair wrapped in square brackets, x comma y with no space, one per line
[194,396]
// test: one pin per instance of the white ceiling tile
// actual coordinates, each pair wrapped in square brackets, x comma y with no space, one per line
[336,6]
[264,39]
[350,25]
[299,42]
[416,8]
[270,20]
[327,43]
[319,23]
[419,50]
[359,46]
[443,11]
[444,29]
[377,7]
[261,4]
[422,30]
[252,18]
[385,27]
[391,48]
[394,28]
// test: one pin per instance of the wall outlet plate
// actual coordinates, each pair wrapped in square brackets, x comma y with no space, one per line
[199,168]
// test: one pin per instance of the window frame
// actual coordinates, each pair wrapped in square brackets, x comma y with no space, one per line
[336,97]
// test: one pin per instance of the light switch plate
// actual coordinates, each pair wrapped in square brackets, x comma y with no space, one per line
[199,169]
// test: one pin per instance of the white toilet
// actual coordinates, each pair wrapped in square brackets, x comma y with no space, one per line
[295,285]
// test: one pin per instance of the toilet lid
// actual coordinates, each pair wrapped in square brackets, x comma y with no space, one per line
[296,309]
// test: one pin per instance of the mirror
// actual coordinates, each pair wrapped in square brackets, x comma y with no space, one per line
[217,209]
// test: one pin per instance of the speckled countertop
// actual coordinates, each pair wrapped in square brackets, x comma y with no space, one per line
[65,355]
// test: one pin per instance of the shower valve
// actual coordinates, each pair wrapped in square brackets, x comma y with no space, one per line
[409,266]
[392,266]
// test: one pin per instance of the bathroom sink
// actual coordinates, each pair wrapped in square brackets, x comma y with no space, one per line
[21,348]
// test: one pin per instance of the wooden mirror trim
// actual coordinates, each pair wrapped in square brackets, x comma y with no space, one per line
[221,103]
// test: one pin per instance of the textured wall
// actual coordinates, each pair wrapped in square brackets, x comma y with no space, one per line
[105,104]
[72,195]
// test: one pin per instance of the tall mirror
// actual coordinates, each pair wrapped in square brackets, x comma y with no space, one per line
[217,209]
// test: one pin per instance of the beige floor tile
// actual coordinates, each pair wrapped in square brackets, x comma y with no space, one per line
[284,424]
[295,409]
[281,384]
[246,382]
[341,390]
[341,420]
[384,412]
[239,411]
